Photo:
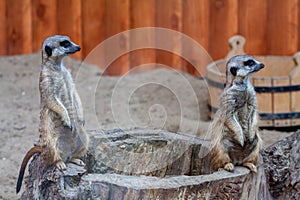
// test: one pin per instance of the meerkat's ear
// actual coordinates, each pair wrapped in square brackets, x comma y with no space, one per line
[233,71]
[48,50]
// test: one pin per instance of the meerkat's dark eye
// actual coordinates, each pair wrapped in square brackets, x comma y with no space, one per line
[65,43]
[249,63]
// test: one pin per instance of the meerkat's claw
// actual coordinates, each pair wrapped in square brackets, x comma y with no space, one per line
[242,142]
[69,126]
[240,139]
[61,165]
[250,166]
[251,137]
[77,162]
[229,167]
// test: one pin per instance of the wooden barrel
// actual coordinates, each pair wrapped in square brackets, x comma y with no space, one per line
[277,86]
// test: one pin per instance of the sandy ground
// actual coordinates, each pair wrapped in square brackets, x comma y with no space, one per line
[161,98]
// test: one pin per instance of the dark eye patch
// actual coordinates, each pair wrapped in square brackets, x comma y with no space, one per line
[249,63]
[65,43]
[233,71]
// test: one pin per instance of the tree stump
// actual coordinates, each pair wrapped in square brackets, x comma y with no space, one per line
[144,164]
[282,167]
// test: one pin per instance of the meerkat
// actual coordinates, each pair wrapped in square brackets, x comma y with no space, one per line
[62,135]
[234,129]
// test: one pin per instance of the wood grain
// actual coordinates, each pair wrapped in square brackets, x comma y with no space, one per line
[142,15]
[169,15]
[223,25]
[19,27]
[69,21]
[93,24]
[3,49]
[196,25]
[282,101]
[264,100]
[117,21]
[252,24]
[282,27]
[43,13]
[269,26]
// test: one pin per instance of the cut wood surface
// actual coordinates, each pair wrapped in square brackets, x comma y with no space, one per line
[144,164]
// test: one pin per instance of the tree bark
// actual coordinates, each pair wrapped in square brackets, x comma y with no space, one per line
[282,167]
[144,164]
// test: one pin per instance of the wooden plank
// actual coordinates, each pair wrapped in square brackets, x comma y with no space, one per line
[142,15]
[69,21]
[282,27]
[169,15]
[295,95]
[252,14]
[215,76]
[264,100]
[93,23]
[196,25]
[3,49]
[281,101]
[298,30]
[236,44]
[117,20]
[19,27]
[214,95]
[44,17]
[223,25]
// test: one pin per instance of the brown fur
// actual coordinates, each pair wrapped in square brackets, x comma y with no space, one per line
[234,130]
[62,135]
[29,154]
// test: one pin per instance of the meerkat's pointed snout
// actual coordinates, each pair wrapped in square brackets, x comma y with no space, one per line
[261,65]
[258,67]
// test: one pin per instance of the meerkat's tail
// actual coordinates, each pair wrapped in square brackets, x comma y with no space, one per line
[29,154]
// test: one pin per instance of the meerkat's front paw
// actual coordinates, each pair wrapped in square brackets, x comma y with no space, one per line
[250,166]
[61,165]
[229,167]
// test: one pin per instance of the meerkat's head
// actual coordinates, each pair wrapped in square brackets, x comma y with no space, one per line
[54,48]
[240,67]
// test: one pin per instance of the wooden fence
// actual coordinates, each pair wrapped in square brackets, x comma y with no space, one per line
[270,26]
